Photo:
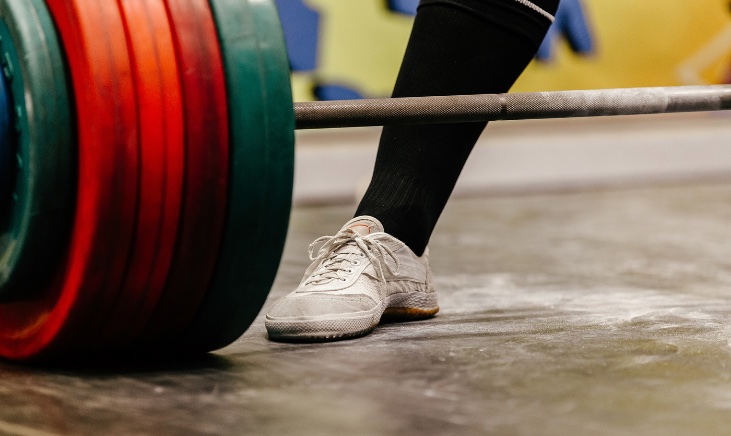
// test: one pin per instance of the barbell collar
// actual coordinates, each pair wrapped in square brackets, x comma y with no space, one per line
[517,106]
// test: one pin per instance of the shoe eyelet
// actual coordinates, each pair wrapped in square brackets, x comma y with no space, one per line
[349,271]
[343,279]
[356,263]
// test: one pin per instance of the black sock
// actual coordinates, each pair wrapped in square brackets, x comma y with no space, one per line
[456,47]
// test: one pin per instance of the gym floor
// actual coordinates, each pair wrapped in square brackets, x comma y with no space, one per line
[597,312]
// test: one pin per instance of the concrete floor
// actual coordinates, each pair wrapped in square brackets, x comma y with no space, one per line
[604,312]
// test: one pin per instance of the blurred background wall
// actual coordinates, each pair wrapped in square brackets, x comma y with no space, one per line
[352,49]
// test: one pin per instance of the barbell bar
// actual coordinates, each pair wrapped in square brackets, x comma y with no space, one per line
[151,172]
[516,106]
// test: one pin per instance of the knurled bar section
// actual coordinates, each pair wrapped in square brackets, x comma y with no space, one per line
[492,107]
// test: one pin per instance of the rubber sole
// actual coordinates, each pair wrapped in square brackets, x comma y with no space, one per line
[411,306]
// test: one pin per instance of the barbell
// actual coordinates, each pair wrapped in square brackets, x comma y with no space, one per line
[146,167]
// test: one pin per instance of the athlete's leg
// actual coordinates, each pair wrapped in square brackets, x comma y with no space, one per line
[372,268]
[456,47]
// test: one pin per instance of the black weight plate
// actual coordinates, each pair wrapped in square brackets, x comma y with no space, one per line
[36,224]
[262,154]
[7,145]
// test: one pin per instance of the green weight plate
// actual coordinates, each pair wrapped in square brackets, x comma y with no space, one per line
[7,144]
[35,225]
[262,154]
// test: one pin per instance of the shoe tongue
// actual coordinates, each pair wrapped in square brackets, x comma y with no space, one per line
[364,225]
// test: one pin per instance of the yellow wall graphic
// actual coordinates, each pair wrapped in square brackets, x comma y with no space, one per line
[642,43]
[638,43]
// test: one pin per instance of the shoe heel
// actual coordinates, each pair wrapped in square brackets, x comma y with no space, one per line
[411,306]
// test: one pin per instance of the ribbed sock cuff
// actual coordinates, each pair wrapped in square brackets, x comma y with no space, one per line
[526,17]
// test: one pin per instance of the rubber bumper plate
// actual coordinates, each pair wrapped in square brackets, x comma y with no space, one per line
[59,322]
[206,170]
[7,143]
[34,223]
[161,150]
[262,159]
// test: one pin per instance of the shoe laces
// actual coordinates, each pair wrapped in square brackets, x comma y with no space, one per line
[338,253]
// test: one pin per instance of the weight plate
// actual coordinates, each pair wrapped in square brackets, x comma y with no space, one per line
[7,145]
[57,324]
[204,202]
[161,148]
[35,221]
[262,140]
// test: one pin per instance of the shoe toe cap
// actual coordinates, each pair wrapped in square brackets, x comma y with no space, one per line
[320,305]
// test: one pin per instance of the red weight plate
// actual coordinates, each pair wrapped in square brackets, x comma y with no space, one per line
[155,73]
[93,36]
[204,206]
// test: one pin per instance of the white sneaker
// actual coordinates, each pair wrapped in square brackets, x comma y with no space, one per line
[358,276]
